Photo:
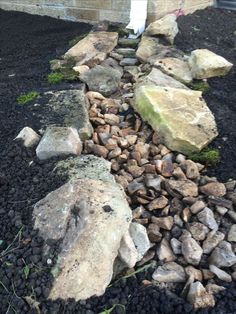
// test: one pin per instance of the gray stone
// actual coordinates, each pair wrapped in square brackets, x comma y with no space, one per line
[232,234]
[206,216]
[213,239]
[113,64]
[170,272]
[90,217]
[176,246]
[67,108]
[223,256]
[59,141]
[222,275]
[191,251]
[103,80]
[28,136]
[126,52]
[129,62]
[197,207]
[140,238]
[198,231]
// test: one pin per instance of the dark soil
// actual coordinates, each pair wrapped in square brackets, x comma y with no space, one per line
[214,29]
[27,43]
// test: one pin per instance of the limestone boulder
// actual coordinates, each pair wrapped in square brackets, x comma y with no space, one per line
[205,64]
[166,26]
[178,69]
[68,108]
[102,79]
[59,141]
[89,217]
[93,49]
[181,117]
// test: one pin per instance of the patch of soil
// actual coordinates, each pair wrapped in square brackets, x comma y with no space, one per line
[27,44]
[214,29]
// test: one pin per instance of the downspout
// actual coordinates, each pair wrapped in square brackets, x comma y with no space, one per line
[138,16]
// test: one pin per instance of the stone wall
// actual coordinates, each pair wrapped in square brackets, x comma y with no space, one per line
[98,10]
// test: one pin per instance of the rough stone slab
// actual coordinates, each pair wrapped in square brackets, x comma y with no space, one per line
[176,68]
[59,141]
[85,166]
[67,108]
[181,117]
[103,80]
[93,49]
[90,217]
[28,136]
[205,64]
[158,78]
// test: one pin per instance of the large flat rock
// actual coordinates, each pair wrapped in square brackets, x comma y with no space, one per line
[67,108]
[181,117]
[93,49]
[90,217]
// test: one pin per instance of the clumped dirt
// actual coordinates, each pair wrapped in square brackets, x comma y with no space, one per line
[27,43]
[215,29]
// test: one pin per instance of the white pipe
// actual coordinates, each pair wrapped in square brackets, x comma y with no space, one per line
[138,16]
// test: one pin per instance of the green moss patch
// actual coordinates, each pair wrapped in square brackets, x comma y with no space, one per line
[75,40]
[26,98]
[55,78]
[201,86]
[207,156]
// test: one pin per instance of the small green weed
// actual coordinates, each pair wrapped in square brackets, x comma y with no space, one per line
[55,78]
[201,86]
[26,98]
[109,311]
[75,40]
[208,156]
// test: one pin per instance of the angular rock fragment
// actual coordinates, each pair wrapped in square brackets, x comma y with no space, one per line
[59,141]
[222,275]
[232,234]
[206,216]
[170,272]
[213,239]
[199,297]
[127,251]
[28,136]
[198,231]
[205,64]
[166,26]
[140,238]
[169,110]
[223,255]
[183,188]
[216,189]
[164,252]
[191,251]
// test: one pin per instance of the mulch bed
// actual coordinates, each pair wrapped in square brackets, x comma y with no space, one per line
[214,29]
[27,43]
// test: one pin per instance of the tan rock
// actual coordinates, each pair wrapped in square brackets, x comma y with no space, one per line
[205,64]
[176,68]
[198,231]
[199,297]
[191,169]
[213,239]
[100,151]
[154,234]
[183,187]
[196,273]
[197,207]
[214,188]
[166,26]
[164,222]
[191,251]
[232,234]
[90,240]
[93,49]
[158,203]
[169,110]
[81,69]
